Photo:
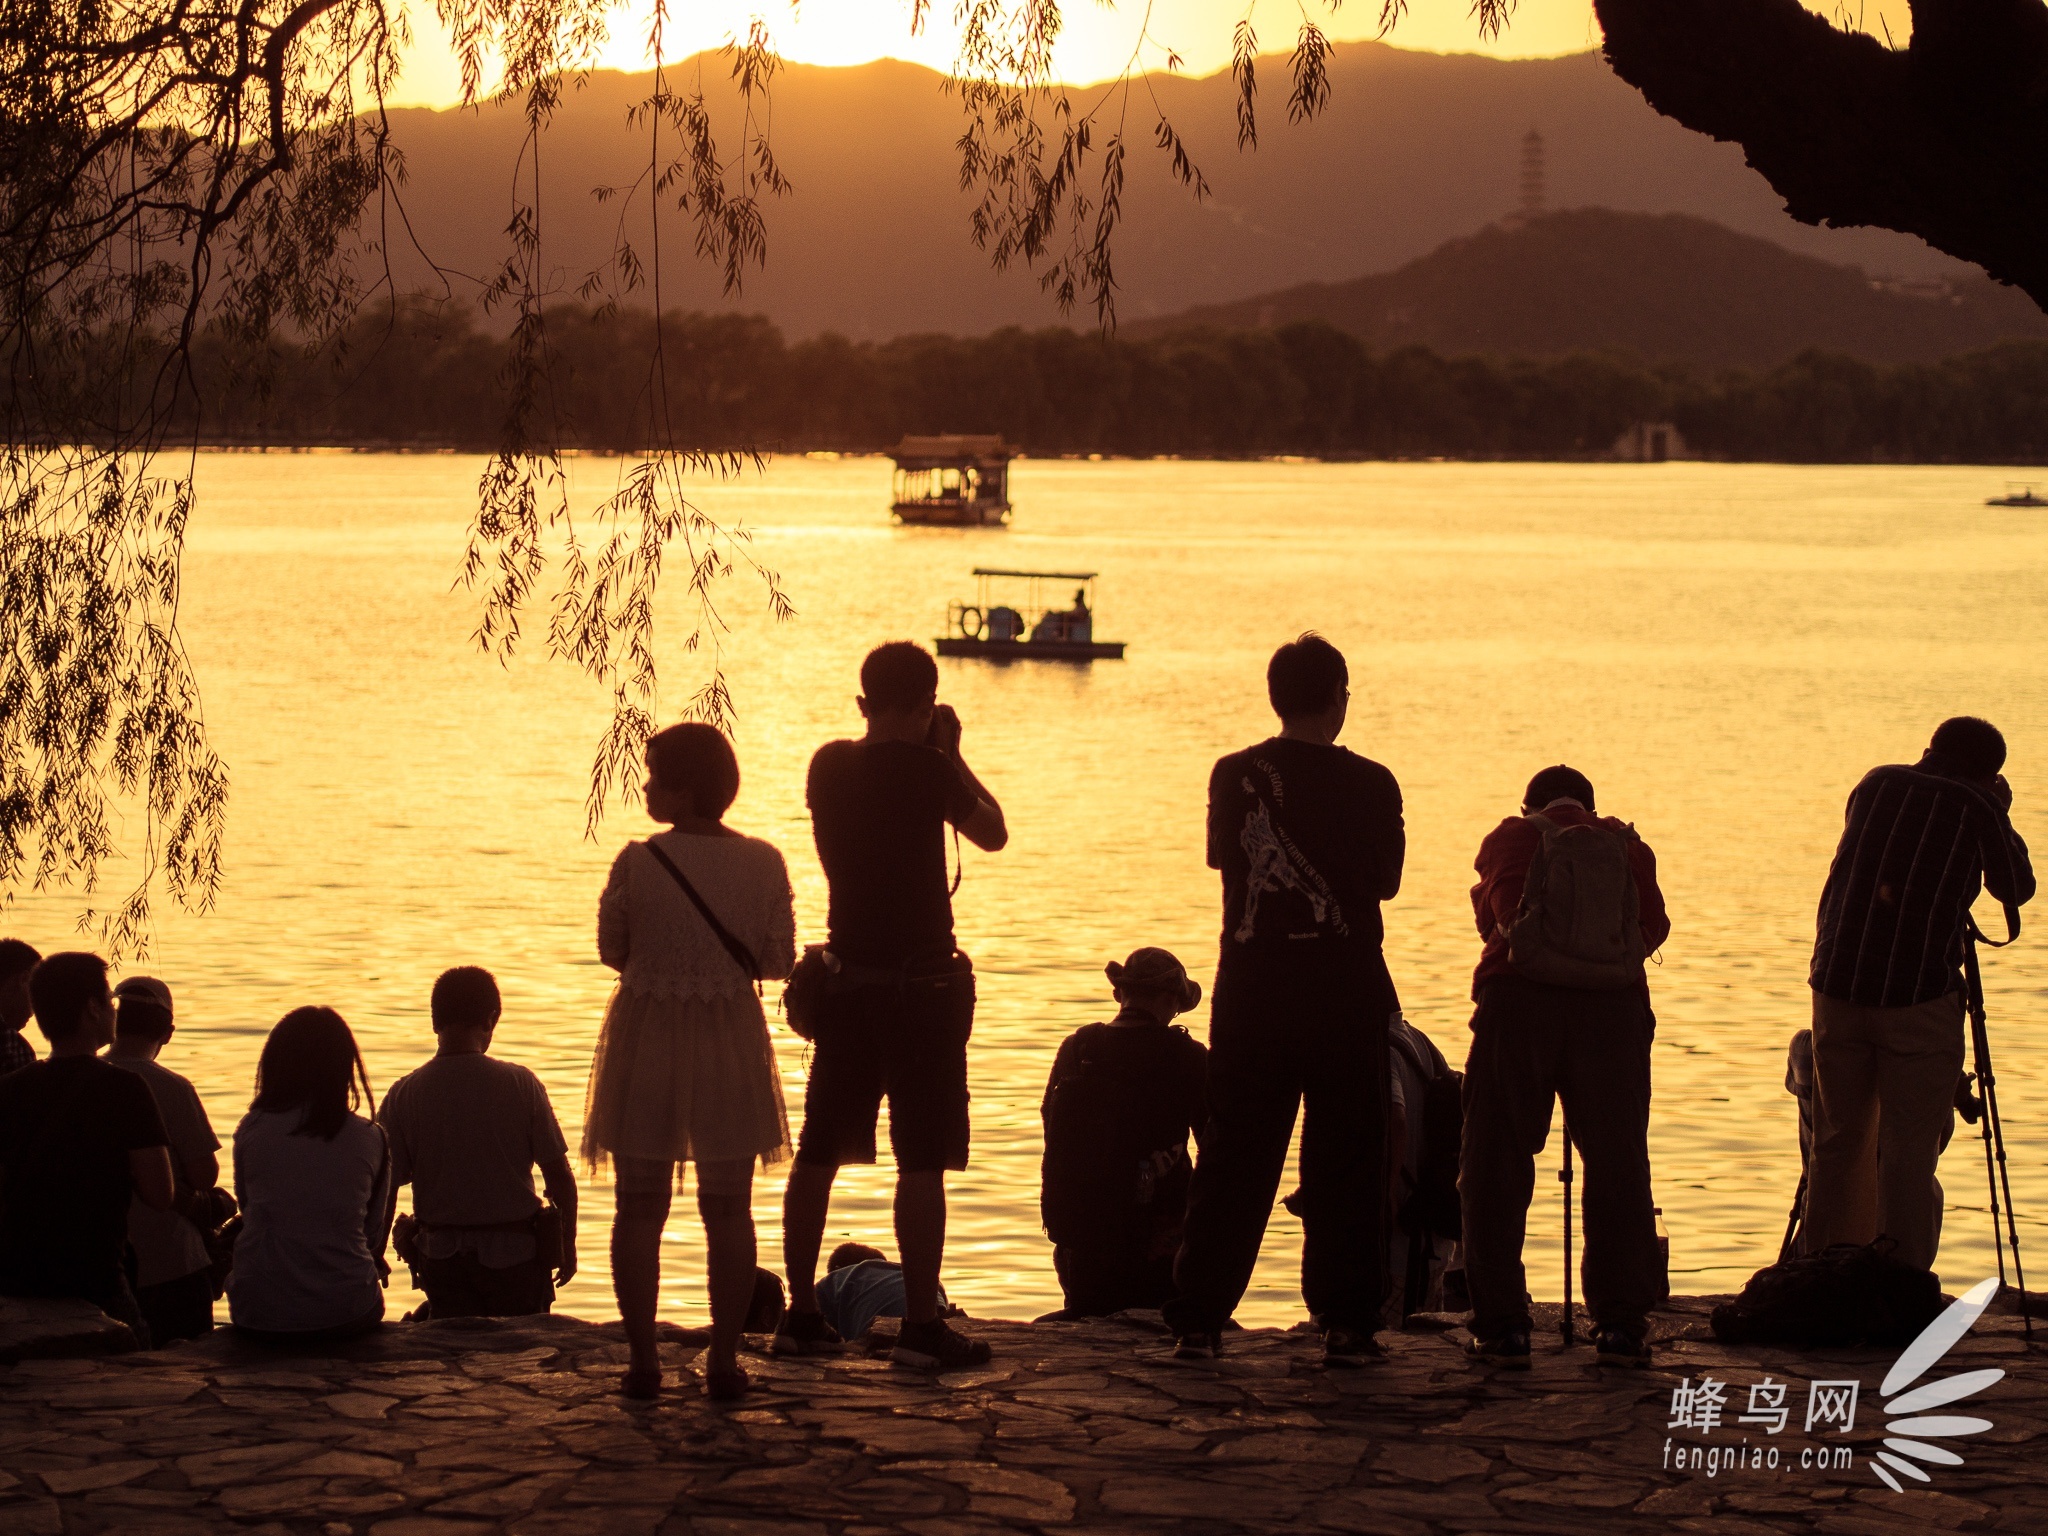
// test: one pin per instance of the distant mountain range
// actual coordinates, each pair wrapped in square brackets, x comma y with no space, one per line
[1414,150]
[1660,286]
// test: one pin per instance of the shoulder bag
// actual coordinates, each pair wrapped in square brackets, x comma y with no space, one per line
[742,956]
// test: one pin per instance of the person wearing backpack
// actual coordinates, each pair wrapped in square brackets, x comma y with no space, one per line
[1119,1107]
[1568,904]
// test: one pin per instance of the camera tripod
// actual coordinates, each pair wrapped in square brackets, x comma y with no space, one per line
[1995,1172]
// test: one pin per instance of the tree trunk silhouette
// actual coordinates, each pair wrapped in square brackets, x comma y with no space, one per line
[1946,138]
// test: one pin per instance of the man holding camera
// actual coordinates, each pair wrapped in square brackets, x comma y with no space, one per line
[895,1020]
[1888,988]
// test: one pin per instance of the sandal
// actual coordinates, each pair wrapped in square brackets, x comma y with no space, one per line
[726,1385]
[641,1386]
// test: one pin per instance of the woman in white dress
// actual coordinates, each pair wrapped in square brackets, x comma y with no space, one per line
[685,1072]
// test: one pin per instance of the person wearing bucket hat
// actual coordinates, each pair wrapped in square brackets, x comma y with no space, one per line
[174,1272]
[1308,838]
[1119,1108]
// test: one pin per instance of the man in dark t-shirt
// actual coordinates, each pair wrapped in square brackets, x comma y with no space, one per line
[896,1016]
[78,1137]
[1309,841]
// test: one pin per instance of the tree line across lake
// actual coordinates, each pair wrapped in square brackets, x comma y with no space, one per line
[429,376]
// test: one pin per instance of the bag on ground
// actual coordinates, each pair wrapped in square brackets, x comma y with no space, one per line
[1846,1295]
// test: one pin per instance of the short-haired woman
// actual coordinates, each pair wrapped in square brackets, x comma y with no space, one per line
[314,1181]
[684,1071]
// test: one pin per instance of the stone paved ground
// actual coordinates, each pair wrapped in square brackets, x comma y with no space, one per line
[458,1430]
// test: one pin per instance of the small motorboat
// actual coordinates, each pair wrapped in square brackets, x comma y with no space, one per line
[993,625]
[2017,496]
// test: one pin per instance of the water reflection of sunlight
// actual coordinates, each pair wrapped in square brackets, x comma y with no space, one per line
[1724,661]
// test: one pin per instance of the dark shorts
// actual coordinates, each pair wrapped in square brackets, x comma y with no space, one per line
[460,1286]
[908,1045]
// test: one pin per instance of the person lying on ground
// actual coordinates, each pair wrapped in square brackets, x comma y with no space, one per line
[17,959]
[467,1131]
[174,1272]
[861,1284]
[1568,905]
[79,1140]
[314,1179]
[1121,1103]
[1918,843]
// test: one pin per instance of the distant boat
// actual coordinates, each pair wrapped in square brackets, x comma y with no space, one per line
[953,480]
[2022,497]
[993,625]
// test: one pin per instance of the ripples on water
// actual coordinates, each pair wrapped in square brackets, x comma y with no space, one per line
[1725,649]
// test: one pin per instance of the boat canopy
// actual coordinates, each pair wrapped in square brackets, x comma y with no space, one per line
[982,570]
[950,450]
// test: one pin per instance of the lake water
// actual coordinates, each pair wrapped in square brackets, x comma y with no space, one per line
[1724,649]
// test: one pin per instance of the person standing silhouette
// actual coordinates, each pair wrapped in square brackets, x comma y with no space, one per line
[896,1021]
[1309,840]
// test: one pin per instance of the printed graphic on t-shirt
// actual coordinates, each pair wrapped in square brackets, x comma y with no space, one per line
[1276,864]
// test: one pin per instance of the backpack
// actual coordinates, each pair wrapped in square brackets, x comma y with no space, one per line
[1578,924]
[1116,1158]
[1432,1205]
[1846,1295]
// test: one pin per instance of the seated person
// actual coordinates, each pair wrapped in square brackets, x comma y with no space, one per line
[860,1285]
[1080,622]
[78,1140]
[1121,1104]
[314,1179]
[16,961]
[174,1272]
[466,1133]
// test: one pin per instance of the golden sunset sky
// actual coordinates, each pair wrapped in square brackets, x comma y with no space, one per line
[1097,43]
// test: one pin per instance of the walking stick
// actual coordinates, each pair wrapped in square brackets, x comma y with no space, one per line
[1995,1170]
[1564,1177]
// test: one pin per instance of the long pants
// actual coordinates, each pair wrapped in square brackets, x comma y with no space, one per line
[1303,1029]
[1532,1044]
[1884,1093]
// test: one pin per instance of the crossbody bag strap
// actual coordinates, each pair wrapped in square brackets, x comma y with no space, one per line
[742,956]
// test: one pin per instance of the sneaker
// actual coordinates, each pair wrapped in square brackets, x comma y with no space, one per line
[1197,1346]
[1617,1346]
[933,1346]
[1351,1347]
[805,1333]
[1510,1351]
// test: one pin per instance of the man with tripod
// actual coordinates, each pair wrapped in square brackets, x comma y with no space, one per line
[1888,986]
[1569,907]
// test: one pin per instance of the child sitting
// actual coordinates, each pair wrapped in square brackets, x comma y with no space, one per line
[1123,1099]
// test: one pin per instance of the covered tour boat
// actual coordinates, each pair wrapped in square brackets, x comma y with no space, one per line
[994,625]
[953,480]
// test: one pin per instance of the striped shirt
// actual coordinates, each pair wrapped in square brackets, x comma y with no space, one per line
[1917,848]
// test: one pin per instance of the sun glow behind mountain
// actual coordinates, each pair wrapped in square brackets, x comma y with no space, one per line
[1097,40]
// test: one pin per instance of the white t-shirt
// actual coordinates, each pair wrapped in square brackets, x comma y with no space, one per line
[167,1246]
[303,1261]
